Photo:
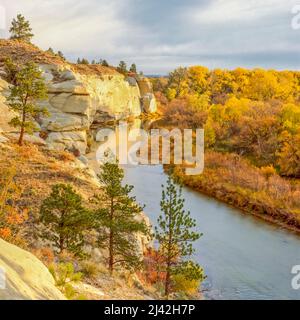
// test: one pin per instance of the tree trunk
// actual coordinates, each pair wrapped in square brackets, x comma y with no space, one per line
[111,240]
[111,252]
[167,283]
[20,142]
[61,244]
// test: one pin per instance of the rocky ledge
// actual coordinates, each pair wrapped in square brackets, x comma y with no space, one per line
[77,100]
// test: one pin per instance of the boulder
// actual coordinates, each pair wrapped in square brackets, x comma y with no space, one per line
[132,81]
[24,277]
[71,86]
[77,104]
[67,75]
[65,122]
[58,100]
[68,140]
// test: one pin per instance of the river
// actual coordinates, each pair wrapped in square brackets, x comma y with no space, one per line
[243,257]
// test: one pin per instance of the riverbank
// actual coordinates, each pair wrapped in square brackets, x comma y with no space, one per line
[243,257]
[236,182]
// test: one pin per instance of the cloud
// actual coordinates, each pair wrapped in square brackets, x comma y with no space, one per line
[160,35]
[220,11]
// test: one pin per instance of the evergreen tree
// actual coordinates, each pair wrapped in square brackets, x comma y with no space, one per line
[20,29]
[29,86]
[11,71]
[122,68]
[133,68]
[175,236]
[64,218]
[61,55]
[50,51]
[82,61]
[116,218]
[104,63]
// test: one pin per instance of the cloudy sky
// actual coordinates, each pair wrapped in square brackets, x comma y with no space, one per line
[160,35]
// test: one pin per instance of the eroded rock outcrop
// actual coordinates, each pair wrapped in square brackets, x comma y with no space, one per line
[77,100]
[24,277]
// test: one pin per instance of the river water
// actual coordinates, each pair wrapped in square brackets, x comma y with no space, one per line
[243,257]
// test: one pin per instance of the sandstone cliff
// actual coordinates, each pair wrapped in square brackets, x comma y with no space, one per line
[23,276]
[79,96]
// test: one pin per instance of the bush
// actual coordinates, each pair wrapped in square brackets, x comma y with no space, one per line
[183,285]
[89,269]
[181,112]
[64,275]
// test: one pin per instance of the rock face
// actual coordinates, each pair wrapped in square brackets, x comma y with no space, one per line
[5,114]
[24,276]
[76,100]
[148,99]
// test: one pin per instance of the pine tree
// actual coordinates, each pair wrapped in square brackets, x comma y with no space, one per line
[82,61]
[122,68]
[20,29]
[11,71]
[116,218]
[29,86]
[175,236]
[61,55]
[64,218]
[50,51]
[133,68]
[104,63]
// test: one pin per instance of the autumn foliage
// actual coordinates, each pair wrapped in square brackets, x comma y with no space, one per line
[12,216]
[251,120]
[254,113]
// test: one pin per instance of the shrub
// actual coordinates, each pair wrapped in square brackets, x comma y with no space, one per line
[64,276]
[89,269]
[184,285]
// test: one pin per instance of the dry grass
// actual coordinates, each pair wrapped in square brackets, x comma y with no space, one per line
[38,169]
[93,69]
[22,52]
